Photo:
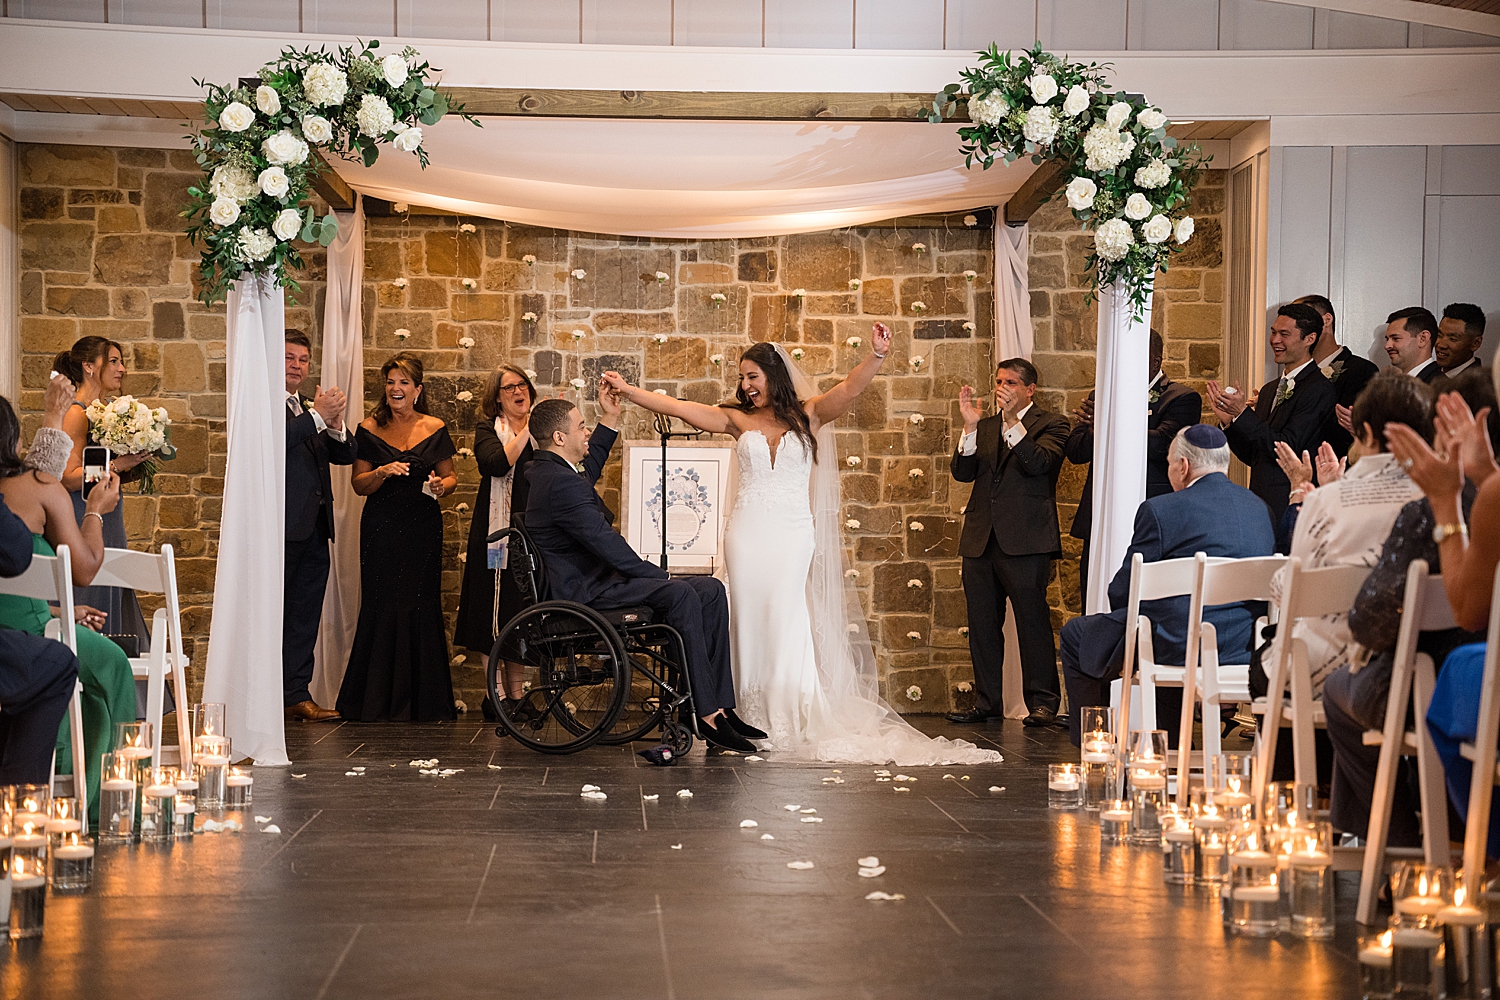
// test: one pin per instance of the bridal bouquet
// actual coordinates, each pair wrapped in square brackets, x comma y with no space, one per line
[126,426]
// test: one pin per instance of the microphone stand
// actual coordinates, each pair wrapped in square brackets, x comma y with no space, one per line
[662,424]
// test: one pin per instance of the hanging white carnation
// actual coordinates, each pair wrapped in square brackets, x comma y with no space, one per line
[1041,126]
[284,147]
[1112,240]
[1117,115]
[989,109]
[1150,119]
[224,211]
[236,117]
[394,69]
[325,84]
[316,129]
[1080,193]
[1158,230]
[1184,229]
[288,223]
[1153,175]
[254,245]
[1137,206]
[1076,101]
[374,116]
[1043,88]
[267,100]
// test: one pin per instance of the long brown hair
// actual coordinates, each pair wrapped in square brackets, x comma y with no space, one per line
[784,402]
[411,365]
[85,350]
[490,404]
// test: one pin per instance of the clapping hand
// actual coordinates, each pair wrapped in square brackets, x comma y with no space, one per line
[1299,471]
[1227,401]
[1462,432]
[1085,412]
[1330,467]
[880,339]
[330,405]
[1345,416]
[971,411]
[1440,476]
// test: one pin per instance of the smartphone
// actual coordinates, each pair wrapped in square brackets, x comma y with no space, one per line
[95,467]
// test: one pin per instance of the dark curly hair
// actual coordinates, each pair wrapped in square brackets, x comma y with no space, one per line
[784,402]
[10,439]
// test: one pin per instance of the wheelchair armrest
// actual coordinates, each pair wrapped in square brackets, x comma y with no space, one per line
[502,533]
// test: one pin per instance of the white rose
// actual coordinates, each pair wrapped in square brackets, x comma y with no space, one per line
[288,223]
[1043,88]
[273,181]
[1117,115]
[325,84]
[1080,193]
[1150,119]
[1076,101]
[989,109]
[284,147]
[1153,175]
[236,117]
[1112,240]
[224,211]
[394,68]
[316,129]
[1184,229]
[233,182]
[408,139]
[1041,126]
[1137,207]
[254,245]
[374,116]
[1157,230]
[267,100]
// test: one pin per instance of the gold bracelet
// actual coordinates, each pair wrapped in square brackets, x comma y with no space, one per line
[94,513]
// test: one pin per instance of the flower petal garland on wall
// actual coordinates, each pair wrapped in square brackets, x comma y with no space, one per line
[258,152]
[1122,173]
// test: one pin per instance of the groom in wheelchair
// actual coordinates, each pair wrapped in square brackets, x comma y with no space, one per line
[587,562]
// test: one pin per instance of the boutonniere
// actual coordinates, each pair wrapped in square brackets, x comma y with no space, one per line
[1284,391]
[1153,396]
[1333,371]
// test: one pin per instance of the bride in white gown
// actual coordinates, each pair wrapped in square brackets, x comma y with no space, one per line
[804,667]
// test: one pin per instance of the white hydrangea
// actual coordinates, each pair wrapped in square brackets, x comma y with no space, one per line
[374,116]
[1153,175]
[267,100]
[325,84]
[236,117]
[254,245]
[394,69]
[1137,206]
[1117,115]
[1112,240]
[1184,229]
[1158,229]
[1080,193]
[285,147]
[233,182]
[273,181]
[1106,147]
[288,223]
[989,109]
[224,211]
[1043,88]
[408,137]
[316,129]
[1150,119]
[1076,101]
[1041,126]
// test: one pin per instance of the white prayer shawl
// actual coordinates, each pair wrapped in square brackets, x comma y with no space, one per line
[501,488]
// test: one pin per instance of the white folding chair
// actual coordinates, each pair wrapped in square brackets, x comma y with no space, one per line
[50,579]
[1486,737]
[1305,594]
[155,573]
[1425,608]
[1223,581]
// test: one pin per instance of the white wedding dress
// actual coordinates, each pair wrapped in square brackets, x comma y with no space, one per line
[804,670]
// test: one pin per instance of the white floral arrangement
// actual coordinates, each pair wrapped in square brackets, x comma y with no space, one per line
[797,353]
[916,361]
[399,283]
[528,317]
[402,333]
[528,259]
[466,342]
[914,693]
[971,221]
[914,584]
[919,306]
[919,248]
[851,574]
[914,635]
[465,452]
[854,284]
[717,359]
[853,628]
[531,374]
[468,227]
[579,334]
[126,426]
[852,524]
[469,283]
[969,327]
[661,277]
[854,342]
[801,293]
[917,526]
[464,396]
[915,474]
[461,508]
[1124,175]
[660,338]
[970,275]
[259,155]
[579,273]
[853,461]
[918,419]
[963,630]
[577,383]
[719,298]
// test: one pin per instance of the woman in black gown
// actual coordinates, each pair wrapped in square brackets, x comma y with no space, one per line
[398,668]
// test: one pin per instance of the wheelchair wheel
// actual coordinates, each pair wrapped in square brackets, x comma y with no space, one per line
[645,705]
[574,675]
[678,737]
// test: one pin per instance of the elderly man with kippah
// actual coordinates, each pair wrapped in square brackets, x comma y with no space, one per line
[1206,513]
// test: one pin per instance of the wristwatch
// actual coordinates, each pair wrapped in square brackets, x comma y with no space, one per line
[1444,531]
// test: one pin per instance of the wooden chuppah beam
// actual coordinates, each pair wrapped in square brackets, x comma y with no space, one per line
[703,105]
[332,188]
[1039,187]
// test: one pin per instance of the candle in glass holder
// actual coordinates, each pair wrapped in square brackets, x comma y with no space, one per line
[117,799]
[64,818]
[186,805]
[72,863]
[1114,822]
[238,789]
[1098,756]
[7,831]
[159,810]
[1310,867]
[1419,893]
[28,893]
[1375,980]
[211,755]
[1465,944]
[1255,895]
[1179,846]
[1064,786]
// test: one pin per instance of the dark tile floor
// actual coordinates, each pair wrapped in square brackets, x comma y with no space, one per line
[505,883]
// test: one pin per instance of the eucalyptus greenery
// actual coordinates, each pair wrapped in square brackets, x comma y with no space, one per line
[260,152]
[1122,175]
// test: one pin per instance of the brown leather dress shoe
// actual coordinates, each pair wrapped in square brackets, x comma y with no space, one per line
[308,711]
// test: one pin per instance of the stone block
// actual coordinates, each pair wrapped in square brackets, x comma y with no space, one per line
[383,260]
[58,246]
[1195,321]
[548,366]
[929,685]
[945,295]
[911,388]
[191,440]
[939,329]
[1076,250]
[628,365]
[821,262]
[1066,371]
[893,629]
[508,276]
[208,326]
[78,301]
[705,273]
[930,437]
[678,357]
[133,260]
[119,219]
[620,278]
[1075,323]
[1049,271]
[1178,278]
[546,245]
[41,204]
[454,254]
[195,576]
[67,166]
[177,512]
[903,487]
[163,198]
[1204,360]
[48,335]
[775,318]
[1213,286]
[31,292]
[869,410]
[469,306]
[882,519]
[1205,201]
[759,266]
[950,609]
[889,251]
[861,488]
[419,326]
[429,293]
[1206,248]
[877,549]
[183,367]
[697,312]
[937,538]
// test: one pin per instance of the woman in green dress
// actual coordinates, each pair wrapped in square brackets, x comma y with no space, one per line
[44,504]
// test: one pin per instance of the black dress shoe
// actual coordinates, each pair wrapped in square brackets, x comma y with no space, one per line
[973,716]
[724,737]
[1041,716]
[742,727]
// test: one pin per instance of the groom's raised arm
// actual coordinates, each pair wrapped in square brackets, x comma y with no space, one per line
[575,510]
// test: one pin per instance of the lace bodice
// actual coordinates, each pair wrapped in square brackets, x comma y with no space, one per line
[783,487]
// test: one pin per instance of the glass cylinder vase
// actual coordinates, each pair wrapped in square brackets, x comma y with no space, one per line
[1310,871]
[1255,894]
[1418,893]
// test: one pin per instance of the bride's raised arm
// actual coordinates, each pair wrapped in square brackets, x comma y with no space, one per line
[834,403]
[713,419]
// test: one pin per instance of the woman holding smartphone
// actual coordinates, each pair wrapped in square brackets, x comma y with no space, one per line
[97,367]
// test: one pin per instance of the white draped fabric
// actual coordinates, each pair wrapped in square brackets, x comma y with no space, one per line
[244,650]
[342,365]
[1119,437]
[688,179]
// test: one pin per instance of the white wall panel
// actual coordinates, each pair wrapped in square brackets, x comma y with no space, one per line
[1164,25]
[58,10]
[974,24]
[167,13]
[1383,235]
[1303,222]
[898,24]
[1447,38]
[717,22]
[1262,25]
[627,22]
[350,17]
[1468,257]
[1077,25]
[800,24]
[443,18]
[534,20]
[1471,170]
[1358,31]
[266,15]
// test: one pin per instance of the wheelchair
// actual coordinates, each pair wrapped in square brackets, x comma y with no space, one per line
[589,676]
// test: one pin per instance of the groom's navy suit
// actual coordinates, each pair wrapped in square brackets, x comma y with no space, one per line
[1212,516]
[588,562]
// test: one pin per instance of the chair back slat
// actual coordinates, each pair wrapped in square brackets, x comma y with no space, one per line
[1436,613]
[132,570]
[1168,578]
[1228,581]
[1327,591]
[1487,736]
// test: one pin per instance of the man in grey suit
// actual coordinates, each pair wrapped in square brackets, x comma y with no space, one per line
[1010,538]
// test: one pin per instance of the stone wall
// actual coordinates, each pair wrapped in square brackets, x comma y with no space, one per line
[101,252]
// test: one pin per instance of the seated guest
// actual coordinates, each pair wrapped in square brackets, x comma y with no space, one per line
[588,562]
[1171,406]
[1206,513]
[1410,335]
[1460,333]
[1348,372]
[1354,695]
[1292,409]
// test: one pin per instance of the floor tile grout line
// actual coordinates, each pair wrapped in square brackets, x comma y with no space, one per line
[594,854]
[492,755]
[544,776]
[737,776]
[1016,753]
[940,913]
[644,825]
[1027,900]
[661,933]
[482,879]
[288,842]
[476,735]
[351,753]
[495,796]
[330,732]
[948,814]
[966,788]
[339,964]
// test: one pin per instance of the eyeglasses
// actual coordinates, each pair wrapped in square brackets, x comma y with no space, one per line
[514,387]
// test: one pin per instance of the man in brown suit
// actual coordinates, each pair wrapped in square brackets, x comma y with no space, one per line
[1010,538]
